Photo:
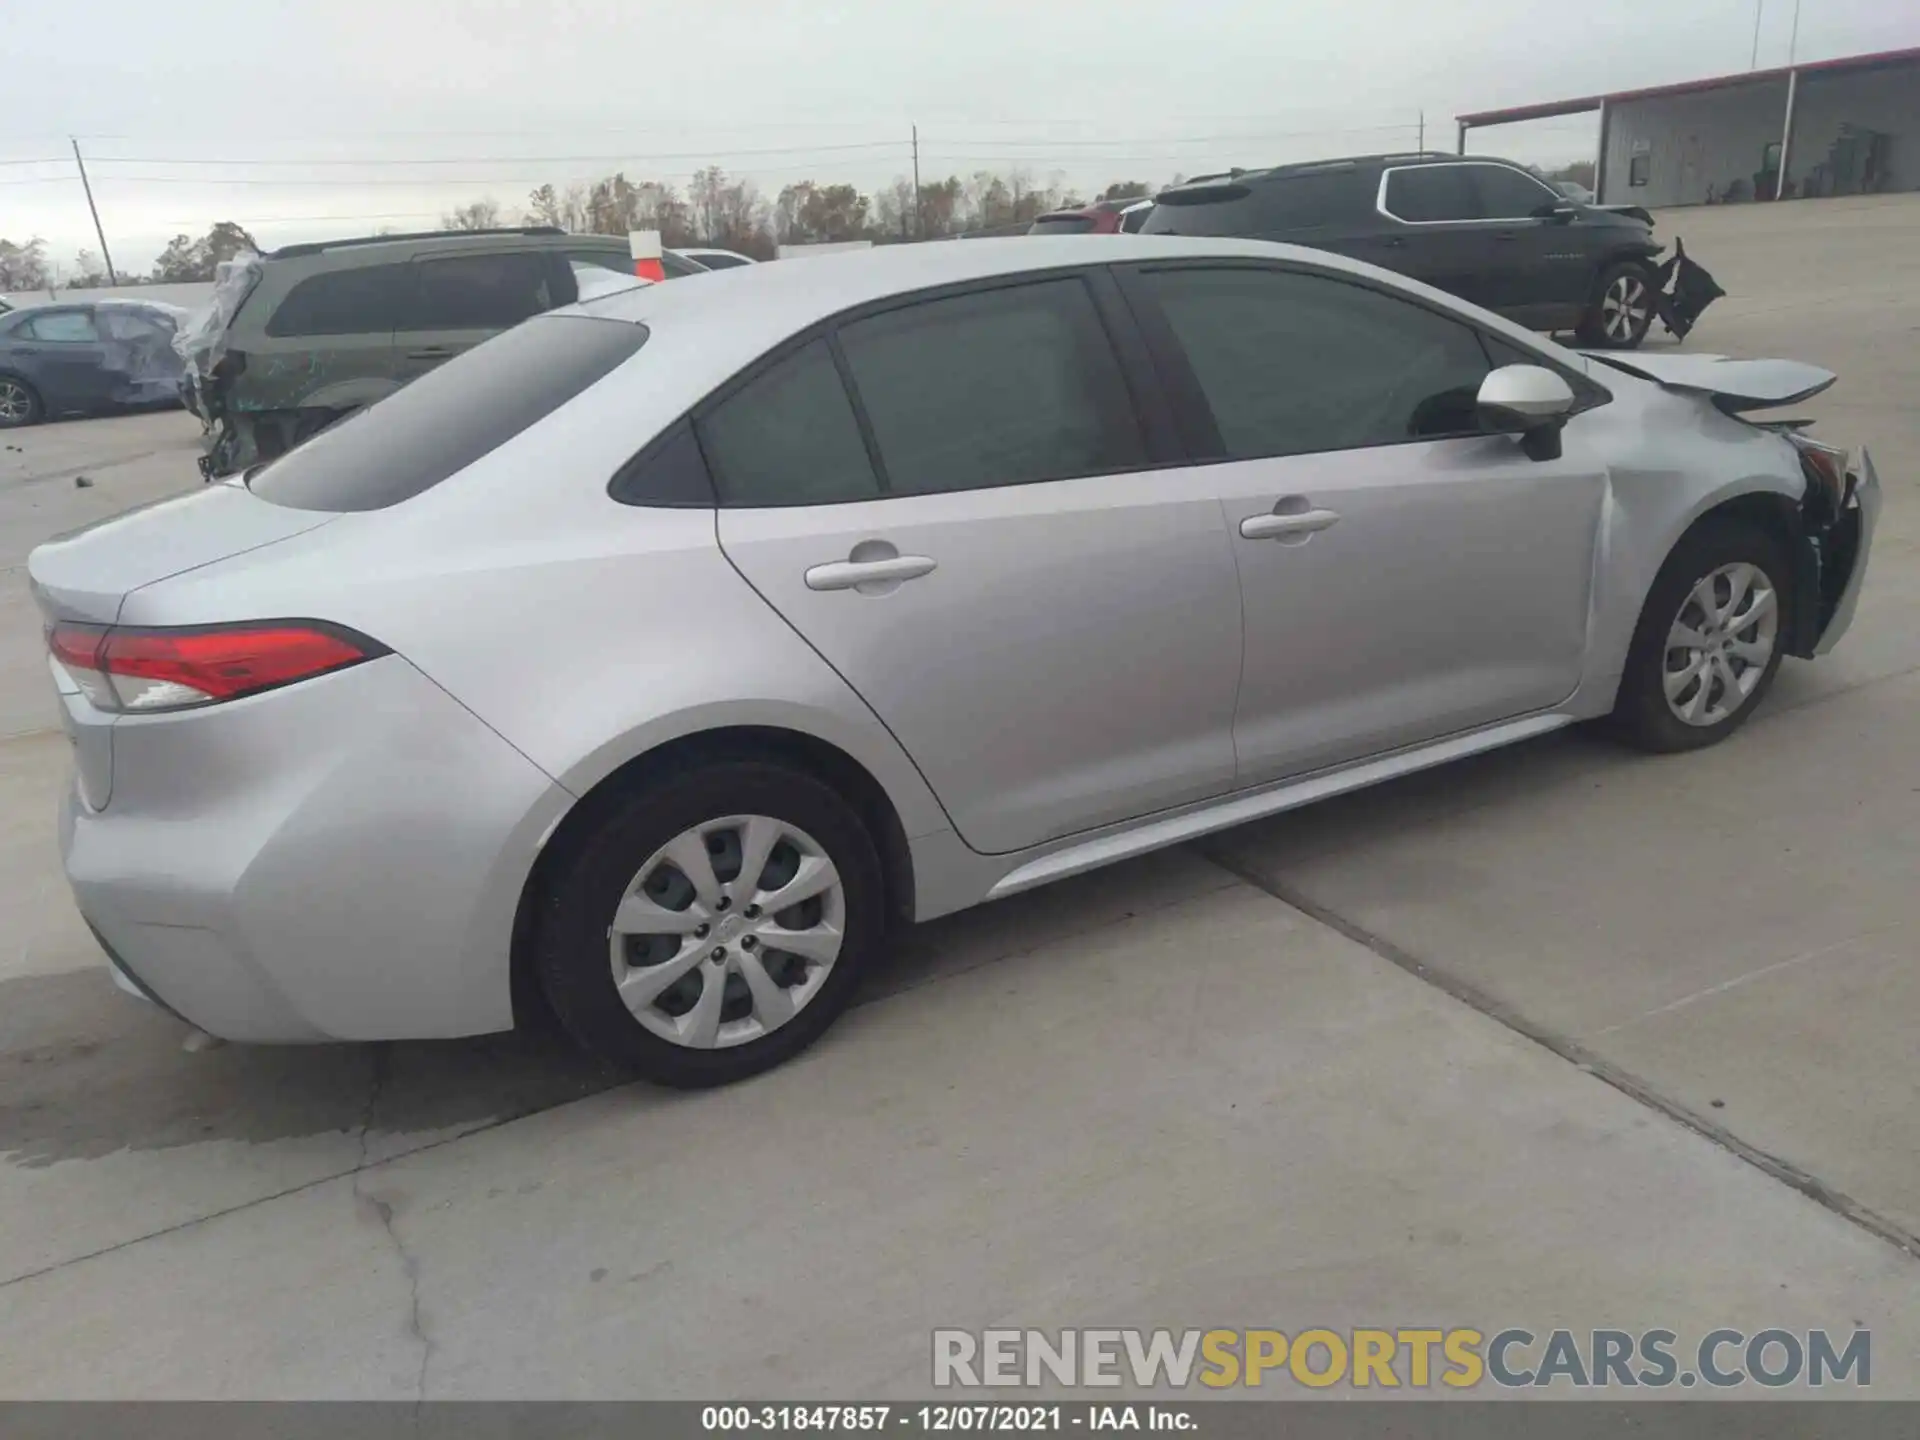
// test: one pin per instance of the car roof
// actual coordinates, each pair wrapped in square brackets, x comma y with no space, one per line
[1337,164]
[763,303]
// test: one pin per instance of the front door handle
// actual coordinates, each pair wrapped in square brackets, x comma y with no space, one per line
[869,577]
[431,352]
[1287,527]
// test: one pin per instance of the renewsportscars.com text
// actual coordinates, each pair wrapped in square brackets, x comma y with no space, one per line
[1363,1359]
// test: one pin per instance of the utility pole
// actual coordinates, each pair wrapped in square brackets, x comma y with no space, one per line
[98,229]
[1759,8]
[1793,40]
[1421,144]
[919,211]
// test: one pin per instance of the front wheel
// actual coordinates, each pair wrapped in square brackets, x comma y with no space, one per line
[1709,639]
[1622,309]
[713,925]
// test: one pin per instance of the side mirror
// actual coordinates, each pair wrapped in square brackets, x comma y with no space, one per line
[1530,401]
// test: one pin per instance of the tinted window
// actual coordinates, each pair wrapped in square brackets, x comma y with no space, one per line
[1291,364]
[722,262]
[1300,202]
[670,471]
[66,327]
[789,437]
[1062,225]
[1133,221]
[365,301]
[1506,194]
[1202,210]
[1432,192]
[997,388]
[480,292]
[449,417]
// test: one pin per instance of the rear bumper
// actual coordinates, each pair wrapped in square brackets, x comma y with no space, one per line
[338,860]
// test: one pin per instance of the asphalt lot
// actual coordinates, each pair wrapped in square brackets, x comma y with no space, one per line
[1558,1036]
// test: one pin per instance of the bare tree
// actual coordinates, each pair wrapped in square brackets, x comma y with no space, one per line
[23,267]
[1126,190]
[88,272]
[480,215]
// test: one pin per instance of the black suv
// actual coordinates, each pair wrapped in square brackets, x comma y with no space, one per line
[1484,229]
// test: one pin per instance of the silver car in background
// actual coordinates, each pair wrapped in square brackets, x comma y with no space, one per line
[652,660]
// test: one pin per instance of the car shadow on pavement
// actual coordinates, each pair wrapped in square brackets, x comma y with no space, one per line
[86,1071]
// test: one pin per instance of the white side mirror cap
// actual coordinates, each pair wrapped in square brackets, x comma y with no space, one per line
[1524,397]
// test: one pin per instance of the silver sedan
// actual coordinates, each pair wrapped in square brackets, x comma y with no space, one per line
[653,660]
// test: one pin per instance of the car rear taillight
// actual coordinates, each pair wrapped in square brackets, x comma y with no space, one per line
[140,671]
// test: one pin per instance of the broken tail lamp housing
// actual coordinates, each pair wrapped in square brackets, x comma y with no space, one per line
[126,670]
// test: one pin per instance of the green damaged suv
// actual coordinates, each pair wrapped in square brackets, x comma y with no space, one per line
[297,339]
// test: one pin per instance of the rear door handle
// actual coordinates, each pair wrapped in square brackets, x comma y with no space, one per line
[859,574]
[1285,527]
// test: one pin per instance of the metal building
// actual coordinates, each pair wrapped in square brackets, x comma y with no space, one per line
[1833,127]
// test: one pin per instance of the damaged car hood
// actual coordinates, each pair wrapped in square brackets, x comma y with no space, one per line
[1733,384]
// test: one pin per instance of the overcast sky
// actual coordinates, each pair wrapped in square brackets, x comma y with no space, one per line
[778,90]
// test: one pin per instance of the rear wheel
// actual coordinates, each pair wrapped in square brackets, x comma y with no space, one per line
[19,404]
[1622,309]
[1709,641]
[713,925]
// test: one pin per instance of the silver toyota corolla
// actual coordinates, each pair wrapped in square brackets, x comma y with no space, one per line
[659,655]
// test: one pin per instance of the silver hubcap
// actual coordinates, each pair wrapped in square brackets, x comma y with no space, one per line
[15,404]
[1623,309]
[1720,643]
[728,931]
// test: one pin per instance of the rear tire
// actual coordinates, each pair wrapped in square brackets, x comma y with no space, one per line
[1678,695]
[19,404]
[622,914]
[1622,309]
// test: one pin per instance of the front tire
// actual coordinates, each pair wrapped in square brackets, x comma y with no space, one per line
[19,404]
[712,925]
[1622,309]
[1710,639]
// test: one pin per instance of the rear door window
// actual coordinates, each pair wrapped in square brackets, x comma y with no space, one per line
[1506,194]
[1425,193]
[789,437]
[1308,202]
[997,387]
[61,327]
[362,301]
[449,417]
[480,292]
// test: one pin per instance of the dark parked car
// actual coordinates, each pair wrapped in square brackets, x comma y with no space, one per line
[1481,228]
[106,355]
[300,338]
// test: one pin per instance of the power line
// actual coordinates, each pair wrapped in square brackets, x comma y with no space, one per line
[623,159]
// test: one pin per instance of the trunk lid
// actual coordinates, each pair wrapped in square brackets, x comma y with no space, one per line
[1733,385]
[87,574]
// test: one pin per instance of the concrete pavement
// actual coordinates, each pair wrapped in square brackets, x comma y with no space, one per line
[1156,1095]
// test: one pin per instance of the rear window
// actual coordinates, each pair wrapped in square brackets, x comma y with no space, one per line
[1203,210]
[450,417]
[1062,225]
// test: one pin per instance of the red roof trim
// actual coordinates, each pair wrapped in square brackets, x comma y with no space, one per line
[1690,87]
